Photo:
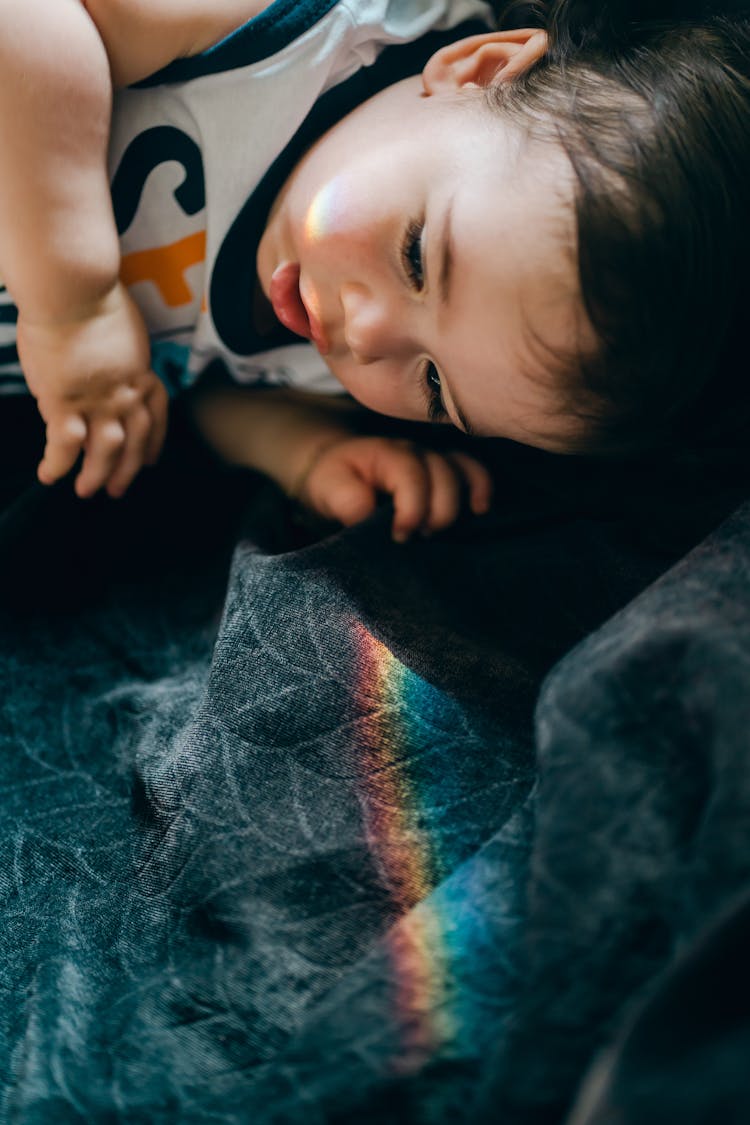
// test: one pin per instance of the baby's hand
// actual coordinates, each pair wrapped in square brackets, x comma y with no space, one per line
[95,390]
[427,487]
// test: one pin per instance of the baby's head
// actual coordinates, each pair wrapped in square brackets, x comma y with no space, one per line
[654,116]
[533,239]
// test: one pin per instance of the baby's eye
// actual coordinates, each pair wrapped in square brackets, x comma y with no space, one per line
[411,254]
[436,411]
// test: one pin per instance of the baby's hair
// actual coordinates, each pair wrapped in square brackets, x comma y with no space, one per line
[651,103]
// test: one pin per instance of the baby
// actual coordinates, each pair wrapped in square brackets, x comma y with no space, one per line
[524,235]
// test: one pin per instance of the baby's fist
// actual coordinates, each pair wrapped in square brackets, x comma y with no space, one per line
[428,488]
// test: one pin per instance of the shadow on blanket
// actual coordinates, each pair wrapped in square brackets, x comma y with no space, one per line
[280,838]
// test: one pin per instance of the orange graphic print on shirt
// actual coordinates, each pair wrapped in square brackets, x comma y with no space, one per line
[166,267]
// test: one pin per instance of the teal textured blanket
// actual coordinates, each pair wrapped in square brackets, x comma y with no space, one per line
[279,839]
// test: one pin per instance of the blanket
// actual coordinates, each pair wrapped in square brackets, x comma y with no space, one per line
[301,825]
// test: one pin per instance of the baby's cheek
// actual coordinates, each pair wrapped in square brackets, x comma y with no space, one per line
[381,387]
[343,215]
[326,211]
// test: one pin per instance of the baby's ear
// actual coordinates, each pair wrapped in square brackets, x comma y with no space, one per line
[497,56]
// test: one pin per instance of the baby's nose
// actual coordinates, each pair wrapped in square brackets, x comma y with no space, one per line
[373,327]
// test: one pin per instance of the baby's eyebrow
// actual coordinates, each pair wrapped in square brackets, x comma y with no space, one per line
[446,262]
[444,289]
[466,425]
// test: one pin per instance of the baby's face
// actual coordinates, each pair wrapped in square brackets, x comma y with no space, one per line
[426,251]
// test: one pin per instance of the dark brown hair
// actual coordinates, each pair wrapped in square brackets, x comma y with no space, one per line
[651,103]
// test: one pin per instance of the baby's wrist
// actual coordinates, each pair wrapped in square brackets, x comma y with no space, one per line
[307,464]
[72,293]
[74,309]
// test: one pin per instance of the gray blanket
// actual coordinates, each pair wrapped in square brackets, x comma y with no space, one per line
[297,825]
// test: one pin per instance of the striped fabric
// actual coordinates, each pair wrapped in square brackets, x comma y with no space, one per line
[11,379]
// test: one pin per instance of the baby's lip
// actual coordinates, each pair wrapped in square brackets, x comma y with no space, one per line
[286,299]
[287,303]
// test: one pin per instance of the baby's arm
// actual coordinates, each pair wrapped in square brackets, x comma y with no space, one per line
[311,448]
[81,341]
[82,344]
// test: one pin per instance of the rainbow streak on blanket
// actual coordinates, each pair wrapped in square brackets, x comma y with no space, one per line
[391,701]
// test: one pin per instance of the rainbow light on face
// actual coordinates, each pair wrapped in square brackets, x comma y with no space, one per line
[406,860]
[325,207]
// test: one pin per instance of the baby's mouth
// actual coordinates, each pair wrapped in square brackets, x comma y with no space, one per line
[284,295]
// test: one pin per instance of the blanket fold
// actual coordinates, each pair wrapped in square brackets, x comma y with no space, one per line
[281,839]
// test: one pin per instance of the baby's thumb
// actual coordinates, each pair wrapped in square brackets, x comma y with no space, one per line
[348,500]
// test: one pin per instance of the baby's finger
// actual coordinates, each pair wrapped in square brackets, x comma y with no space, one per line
[341,495]
[65,440]
[445,492]
[157,403]
[103,449]
[133,453]
[478,480]
[406,477]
